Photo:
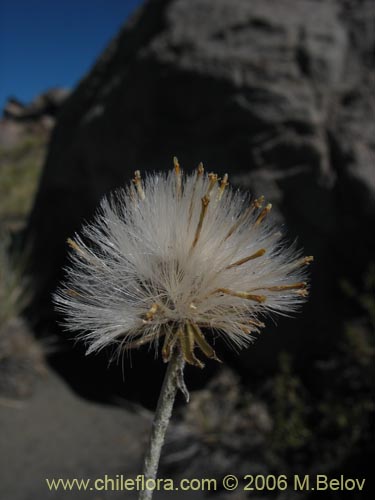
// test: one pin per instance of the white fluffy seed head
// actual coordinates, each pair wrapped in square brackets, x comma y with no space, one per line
[174,252]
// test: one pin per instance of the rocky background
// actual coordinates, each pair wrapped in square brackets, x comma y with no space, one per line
[280,96]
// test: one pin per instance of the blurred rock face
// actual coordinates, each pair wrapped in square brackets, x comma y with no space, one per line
[277,94]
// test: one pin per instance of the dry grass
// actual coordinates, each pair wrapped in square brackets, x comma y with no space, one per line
[20,169]
[21,357]
[14,295]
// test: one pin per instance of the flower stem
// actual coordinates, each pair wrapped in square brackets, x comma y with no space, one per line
[161,420]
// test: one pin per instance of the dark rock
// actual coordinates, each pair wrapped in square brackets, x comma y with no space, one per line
[220,430]
[21,360]
[276,93]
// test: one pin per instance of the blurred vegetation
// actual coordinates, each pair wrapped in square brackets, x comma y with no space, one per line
[334,426]
[21,358]
[20,168]
[289,409]
[14,295]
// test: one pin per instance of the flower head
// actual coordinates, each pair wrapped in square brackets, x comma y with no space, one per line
[174,254]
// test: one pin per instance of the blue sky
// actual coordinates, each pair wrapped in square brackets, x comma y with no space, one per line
[47,43]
